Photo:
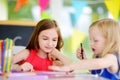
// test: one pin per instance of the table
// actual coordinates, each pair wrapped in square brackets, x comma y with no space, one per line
[49,76]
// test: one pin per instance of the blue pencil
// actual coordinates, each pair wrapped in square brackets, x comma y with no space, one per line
[3,55]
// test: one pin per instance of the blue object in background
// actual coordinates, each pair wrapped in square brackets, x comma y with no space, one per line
[78,7]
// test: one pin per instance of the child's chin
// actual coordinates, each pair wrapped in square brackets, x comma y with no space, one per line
[48,51]
[96,53]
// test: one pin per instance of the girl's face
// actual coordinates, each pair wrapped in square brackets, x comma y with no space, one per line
[97,41]
[48,40]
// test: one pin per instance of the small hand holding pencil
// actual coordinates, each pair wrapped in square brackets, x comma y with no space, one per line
[81,53]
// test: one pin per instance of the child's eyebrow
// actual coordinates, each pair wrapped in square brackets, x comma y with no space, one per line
[44,36]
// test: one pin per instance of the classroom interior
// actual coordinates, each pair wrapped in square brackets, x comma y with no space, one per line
[18,17]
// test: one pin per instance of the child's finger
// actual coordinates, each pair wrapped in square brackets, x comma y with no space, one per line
[58,68]
[55,68]
[51,57]
[27,67]
[79,53]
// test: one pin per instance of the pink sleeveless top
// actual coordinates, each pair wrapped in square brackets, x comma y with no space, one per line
[39,64]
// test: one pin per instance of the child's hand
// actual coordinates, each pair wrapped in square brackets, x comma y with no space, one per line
[61,69]
[27,67]
[57,63]
[52,54]
[51,57]
[79,54]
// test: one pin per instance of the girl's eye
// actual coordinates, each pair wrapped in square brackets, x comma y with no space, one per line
[54,39]
[95,40]
[44,38]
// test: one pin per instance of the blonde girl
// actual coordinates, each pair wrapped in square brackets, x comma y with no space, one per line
[105,43]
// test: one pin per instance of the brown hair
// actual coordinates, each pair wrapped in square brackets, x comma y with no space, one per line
[44,25]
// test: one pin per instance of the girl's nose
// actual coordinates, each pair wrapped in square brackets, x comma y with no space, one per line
[50,43]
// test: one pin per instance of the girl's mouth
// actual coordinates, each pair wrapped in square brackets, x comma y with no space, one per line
[93,49]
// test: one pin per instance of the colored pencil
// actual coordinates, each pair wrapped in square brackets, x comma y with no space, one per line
[82,51]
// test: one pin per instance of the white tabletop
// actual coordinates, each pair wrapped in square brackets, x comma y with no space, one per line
[50,76]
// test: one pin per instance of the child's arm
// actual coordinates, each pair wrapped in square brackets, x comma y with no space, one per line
[24,67]
[22,55]
[61,57]
[109,62]
[16,67]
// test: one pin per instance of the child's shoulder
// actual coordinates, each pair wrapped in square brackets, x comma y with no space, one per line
[25,51]
[118,60]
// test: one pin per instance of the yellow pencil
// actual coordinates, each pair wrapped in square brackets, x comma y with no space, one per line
[10,56]
[5,56]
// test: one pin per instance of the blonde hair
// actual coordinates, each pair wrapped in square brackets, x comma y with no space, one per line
[111,31]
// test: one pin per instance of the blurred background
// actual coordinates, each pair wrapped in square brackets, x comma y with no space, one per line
[73,17]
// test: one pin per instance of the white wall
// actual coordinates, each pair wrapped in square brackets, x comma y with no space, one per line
[3,10]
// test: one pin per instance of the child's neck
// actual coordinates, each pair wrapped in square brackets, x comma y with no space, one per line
[42,54]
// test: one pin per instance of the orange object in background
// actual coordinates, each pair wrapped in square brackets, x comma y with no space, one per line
[19,4]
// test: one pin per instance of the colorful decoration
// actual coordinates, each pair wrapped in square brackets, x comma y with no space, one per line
[45,15]
[78,7]
[76,38]
[113,7]
[19,4]
[43,4]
